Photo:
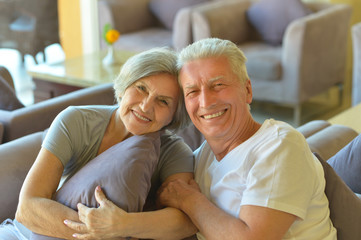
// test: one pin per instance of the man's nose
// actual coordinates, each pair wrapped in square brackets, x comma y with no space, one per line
[206,98]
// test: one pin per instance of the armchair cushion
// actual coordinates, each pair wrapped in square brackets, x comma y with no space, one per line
[123,171]
[8,99]
[346,159]
[345,206]
[166,10]
[271,17]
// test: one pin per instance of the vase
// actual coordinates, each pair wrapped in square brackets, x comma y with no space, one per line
[110,58]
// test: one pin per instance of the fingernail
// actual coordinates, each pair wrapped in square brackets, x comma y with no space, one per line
[98,188]
[66,222]
[75,235]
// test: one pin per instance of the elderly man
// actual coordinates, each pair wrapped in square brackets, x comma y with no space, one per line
[252,181]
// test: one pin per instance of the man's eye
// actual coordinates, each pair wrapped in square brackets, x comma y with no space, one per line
[191,93]
[164,102]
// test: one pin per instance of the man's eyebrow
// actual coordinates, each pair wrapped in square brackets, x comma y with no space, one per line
[215,79]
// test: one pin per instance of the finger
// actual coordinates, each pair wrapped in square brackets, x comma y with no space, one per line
[100,196]
[76,226]
[82,236]
[82,212]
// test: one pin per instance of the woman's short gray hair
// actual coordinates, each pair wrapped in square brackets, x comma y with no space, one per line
[148,63]
[214,47]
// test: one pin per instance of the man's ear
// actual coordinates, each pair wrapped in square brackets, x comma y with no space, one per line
[249,91]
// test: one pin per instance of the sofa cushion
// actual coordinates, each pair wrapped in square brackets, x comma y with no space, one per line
[271,17]
[8,98]
[347,164]
[166,10]
[123,171]
[345,206]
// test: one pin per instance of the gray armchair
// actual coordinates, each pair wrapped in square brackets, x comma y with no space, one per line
[311,59]
[356,78]
[39,116]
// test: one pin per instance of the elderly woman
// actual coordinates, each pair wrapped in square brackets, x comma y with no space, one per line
[149,100]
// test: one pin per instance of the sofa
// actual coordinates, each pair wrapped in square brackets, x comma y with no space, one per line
[356,68]
[144,24]
[38,117]
[17,156]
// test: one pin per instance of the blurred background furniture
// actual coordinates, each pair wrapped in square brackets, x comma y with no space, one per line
[144,24]
[310,60]
[356,78]
[55,79]
[30,26]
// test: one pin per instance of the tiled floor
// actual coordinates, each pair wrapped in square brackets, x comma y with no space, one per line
[323,106]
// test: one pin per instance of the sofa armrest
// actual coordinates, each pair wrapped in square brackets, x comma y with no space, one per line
[310,41]
[16,158]
[182,29]
[328,141]
[38,117]
[215,19]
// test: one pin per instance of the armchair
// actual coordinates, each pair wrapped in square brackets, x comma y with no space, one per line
[39,116]
[311,59]
[356,78]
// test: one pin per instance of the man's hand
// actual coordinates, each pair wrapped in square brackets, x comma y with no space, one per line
[174,193]
[98,223]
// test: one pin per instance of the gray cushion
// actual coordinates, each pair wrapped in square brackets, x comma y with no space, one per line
[123,171]
[347,164]
[166,10]
[271,17]
[345,206]
[8,98]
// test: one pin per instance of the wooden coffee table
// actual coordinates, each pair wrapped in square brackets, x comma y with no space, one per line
[350,117]
[52,80]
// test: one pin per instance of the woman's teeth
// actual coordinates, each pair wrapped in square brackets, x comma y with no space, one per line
[141,117]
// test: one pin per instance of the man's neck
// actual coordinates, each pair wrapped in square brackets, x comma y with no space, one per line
[222,146]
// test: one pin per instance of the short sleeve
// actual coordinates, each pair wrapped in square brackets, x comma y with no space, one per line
[283,177]
[58,139]
[176,156]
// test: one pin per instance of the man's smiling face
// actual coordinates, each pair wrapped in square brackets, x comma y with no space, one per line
[216,100]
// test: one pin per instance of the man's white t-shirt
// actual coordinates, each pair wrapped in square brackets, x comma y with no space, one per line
[274,168]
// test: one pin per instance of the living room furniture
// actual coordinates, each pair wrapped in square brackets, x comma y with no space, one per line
[17,156]
[39,116]
[72,74]
[349,117]
[32,26]
[356,77]
[310,60]
[139,27]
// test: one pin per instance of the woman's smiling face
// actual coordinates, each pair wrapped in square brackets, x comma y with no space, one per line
[149,104]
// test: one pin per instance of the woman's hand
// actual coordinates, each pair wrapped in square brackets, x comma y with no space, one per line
[174,193]
[98,223]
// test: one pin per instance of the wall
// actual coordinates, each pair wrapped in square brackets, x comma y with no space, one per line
[70,27]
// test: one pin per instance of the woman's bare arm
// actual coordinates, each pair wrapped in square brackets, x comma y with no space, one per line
[36,209]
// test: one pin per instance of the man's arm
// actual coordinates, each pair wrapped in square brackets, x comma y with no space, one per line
[109,221]
[36,210]
[253,223]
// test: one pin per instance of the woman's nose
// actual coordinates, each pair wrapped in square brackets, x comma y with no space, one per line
[146,104]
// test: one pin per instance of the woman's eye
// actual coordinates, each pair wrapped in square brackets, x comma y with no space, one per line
[141,87]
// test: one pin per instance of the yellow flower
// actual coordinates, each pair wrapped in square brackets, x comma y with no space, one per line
[112,36]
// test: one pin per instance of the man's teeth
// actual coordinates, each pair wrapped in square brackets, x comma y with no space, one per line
[214,115]
[143,118]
